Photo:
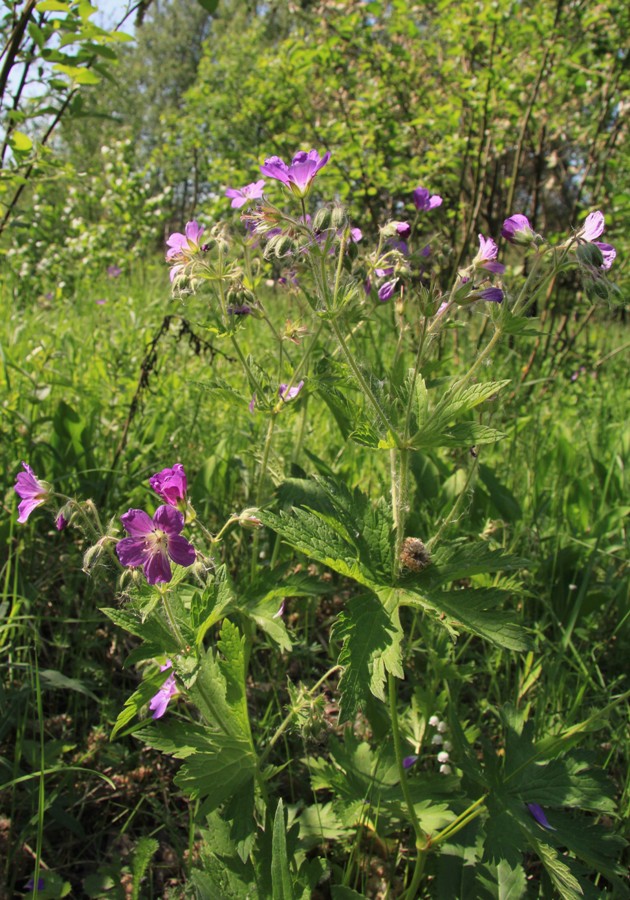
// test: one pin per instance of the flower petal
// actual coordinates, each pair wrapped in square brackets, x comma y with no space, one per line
[137,523]
[157,568]
[132,551]
[181,551]
[168,519]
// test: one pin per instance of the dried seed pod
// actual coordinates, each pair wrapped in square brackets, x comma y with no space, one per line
[414,555]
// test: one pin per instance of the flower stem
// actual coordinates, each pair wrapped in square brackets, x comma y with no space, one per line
[367,390]
[421,843]
[259,490]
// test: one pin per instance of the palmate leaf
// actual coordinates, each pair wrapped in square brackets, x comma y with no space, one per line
[434,430]
[471,610]
[503,882]
[318,537]
[216,774]
[371,639]
[232,665]
[150,628]
[564,881]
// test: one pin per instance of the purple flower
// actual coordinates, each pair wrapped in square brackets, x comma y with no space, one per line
[408,761]
[170,484]
[32,491]
[608,252]
[60,522]
[114,271]
[241,196]
[356,235]
[242,310]
[182,247]
[153,542]
[30,885]
[593,227]
[252,404]
[101,302]
[289,393]
[517,230]
[386,291]
[494,294]
[539,814]
[486,256]
[160,701]
[383,273]
[425,201]
[299,175]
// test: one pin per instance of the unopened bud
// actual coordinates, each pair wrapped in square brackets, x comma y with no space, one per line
[338,217]
[590,255]
[279,246]
[322,220]
[249,519]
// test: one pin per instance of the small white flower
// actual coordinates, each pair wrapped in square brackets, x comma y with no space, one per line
[445,769]
[437,739]
[443,757]
[434,721]
[448,746]
[442,727]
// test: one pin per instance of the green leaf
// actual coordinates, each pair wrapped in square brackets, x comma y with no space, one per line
[79,74]
[53,6]
[209,5]
[472,610]
[54,679]
[564,881]
[145,849]
[232,665]
[153,629]
[215,775]
[371,637]
[149,687]
[282,887]
[20,142]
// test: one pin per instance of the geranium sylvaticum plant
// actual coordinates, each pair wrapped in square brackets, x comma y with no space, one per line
[199,620]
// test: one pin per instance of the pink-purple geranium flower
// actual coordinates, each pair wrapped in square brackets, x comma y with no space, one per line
[608,252]
[182,247]
[424,200]
[114,271]
[160,701]
[299,175]
[493,294]
[290,393]
[517,230]
[32,492]
[593,228]
[241,196]
[153,542]
[386,291]
[486,256]
[171,484]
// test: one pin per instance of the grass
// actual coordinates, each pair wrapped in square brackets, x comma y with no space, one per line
[92,411]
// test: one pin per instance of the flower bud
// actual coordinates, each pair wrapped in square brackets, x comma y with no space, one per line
[338,217]
[590,255]
[279,246]
[322,220]
[249,519]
